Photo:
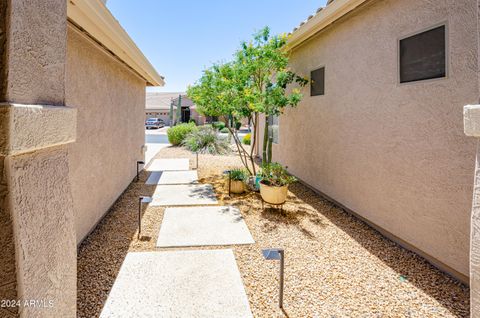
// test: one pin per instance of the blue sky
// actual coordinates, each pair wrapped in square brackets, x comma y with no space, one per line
[183,37]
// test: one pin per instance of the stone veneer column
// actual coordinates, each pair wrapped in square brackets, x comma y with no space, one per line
[37,233]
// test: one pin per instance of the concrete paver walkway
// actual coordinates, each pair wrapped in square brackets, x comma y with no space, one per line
[169,165]
[181,195]
[155,140]
[178,284]
[197,226]
[172,177]
[202,283]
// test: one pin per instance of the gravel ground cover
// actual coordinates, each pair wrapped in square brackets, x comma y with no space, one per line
[336,265]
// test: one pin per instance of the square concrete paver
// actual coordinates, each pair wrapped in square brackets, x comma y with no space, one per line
[178,284]
[169,165]
[200,226]
[178,195]
[173,177]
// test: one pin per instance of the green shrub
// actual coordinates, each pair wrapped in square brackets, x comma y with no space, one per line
[238,125]
[238,174]
[206,140]
[177,134]
[275,175]
[224,130]
[192,121]
[247,139]
[218,125]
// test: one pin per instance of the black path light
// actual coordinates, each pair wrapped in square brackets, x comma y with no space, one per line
[140,162]
[277,254]
[229,172]
[141,200]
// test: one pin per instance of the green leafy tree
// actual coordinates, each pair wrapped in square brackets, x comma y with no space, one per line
[220,92]
[265,61]
[255,82]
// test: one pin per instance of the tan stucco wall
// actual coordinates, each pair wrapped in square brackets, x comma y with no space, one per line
[38,250]
[33,26]
[472,128]
[394,154]
[42,213]
[110,101]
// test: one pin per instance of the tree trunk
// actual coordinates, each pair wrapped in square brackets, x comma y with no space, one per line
[269,150]
[265,141]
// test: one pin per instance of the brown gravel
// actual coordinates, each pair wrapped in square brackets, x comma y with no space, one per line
[336,265]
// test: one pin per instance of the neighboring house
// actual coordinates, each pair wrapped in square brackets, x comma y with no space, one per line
[380,129]
[158,105]
[188,111]
[72,93]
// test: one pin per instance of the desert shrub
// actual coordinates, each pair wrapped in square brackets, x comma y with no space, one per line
[224,130]
[238,174]
[238,125]
[247,139]
[218,125]
[275,175]
[177,134]
[206,140]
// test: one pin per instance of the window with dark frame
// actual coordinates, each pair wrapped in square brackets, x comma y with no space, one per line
[317,82]
[423,56]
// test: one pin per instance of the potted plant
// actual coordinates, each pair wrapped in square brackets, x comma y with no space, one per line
[237,180]
[274,181]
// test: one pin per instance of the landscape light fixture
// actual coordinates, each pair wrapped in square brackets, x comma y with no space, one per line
[277,254]
[229,172]
[197,162]
[140,162]
[141,200]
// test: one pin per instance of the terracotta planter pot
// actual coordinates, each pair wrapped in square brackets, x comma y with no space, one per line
[273,195]
[235,186]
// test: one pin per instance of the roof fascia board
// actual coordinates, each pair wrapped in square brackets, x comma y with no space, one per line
[324,18]
[96,19]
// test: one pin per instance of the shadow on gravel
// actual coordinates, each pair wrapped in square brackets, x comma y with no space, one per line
[101,254]
[411,268]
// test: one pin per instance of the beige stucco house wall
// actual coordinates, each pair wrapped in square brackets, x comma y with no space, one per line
[110,133]
[394,154]
[67,70]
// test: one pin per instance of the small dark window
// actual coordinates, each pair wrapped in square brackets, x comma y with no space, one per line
[317,83]
[423,56]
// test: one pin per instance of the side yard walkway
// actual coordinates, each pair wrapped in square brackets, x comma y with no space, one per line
[336,265]
[197,283]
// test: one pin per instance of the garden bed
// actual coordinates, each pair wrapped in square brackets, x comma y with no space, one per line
[336,265]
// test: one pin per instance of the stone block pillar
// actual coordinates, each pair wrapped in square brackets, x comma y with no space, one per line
[37,233]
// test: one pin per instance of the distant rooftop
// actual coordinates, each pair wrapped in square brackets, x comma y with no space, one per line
[161,100]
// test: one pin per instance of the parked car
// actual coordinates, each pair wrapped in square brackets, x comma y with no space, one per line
[154,123]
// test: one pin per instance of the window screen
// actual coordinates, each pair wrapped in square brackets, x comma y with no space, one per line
[422,56]
[317,82]
[273,128]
